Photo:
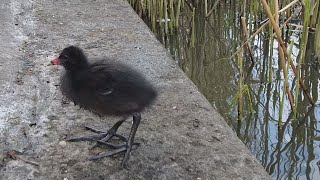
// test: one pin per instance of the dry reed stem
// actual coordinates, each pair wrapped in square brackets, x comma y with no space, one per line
[263,25]
[251,37]
[283,46]
[212,9]
[246,35]
[283,61]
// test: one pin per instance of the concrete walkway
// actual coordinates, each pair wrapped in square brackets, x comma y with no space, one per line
[181,135]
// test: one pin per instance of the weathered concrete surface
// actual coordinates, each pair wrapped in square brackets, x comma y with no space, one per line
[181,135]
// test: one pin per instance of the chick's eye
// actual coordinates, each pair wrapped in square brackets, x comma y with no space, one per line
[62,56]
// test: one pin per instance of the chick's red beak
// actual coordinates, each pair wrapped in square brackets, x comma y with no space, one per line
[56,61]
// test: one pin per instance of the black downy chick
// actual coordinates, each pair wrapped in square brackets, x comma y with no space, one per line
[107,88]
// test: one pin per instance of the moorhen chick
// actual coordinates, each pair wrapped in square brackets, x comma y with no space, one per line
[107,88]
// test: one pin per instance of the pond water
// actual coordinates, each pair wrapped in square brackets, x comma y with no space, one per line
[288,149]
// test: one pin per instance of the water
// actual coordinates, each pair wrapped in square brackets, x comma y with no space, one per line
[203,50]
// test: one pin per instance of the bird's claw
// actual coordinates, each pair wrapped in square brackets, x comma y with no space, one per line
[102,136]
[118,149]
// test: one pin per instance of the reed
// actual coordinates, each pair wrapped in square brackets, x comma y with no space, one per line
[285,53]
[193,33]
[178,14]
[317,33]
[305,31]
[241,87]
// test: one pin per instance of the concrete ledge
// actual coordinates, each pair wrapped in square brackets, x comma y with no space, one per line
[182,136]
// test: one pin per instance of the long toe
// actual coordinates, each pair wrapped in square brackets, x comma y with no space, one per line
[94,129]
[101,135]
[88,138]
[117,151]
[116,146]
[119,148]
[111,131]
[106,138]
